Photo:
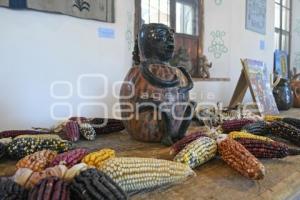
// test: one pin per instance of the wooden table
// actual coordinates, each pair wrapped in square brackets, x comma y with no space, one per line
[214,180]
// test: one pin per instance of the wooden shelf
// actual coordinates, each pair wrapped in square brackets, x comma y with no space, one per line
[211,79]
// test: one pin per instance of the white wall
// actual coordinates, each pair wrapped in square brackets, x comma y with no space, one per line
[37,49]
[229,17]
[295,47]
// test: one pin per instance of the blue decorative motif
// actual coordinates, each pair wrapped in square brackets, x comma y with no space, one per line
[217,46]
[218,2]
[129,33]
[297,60]
[297,27]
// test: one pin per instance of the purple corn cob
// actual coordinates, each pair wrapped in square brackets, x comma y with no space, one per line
[69,158]
[235,124]
[15,133]
[72,131]
[103,126]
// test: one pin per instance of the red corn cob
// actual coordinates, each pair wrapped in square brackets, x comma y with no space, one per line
[235,124]
[292,121]
[267,149]
[72,131]
[286,131]
[179,145]
[15,133]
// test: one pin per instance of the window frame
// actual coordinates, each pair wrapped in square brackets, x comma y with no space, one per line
[281,30]
[198,12]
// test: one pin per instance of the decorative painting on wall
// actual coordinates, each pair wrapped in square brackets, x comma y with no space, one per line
[256,13]
[102,10]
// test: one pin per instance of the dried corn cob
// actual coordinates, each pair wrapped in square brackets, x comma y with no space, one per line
[292,121]
[2,150]
[257,128]
[179,145]
[22,147]
[87,131]
[103,126]
[197,152]
[40,136]
[267,149]
[272,118]
[15,133]
[235,124]
[50,188]
[57,171]
[22,176]
[37,161]
[93,184]
[242,135]
[72,131]
[6,141]
[11,190]
[69,158]
[75,171]
[137,174]
[78,119]
[286,131]
[97,158]
[240,159]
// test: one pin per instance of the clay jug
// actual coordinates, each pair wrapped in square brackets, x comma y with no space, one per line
[283,95]
[154,97]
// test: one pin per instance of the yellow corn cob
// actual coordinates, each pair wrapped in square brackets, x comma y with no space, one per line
[95,159]
[197,152]
[40,136]
[272,118]
[137,174]
[242,135]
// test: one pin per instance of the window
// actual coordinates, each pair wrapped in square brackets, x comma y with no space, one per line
[282,25]
[155,11]
[186,18]
[161,11]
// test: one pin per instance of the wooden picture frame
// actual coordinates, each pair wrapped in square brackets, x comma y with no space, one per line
[254,76]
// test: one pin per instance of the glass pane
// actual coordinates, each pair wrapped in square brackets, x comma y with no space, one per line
[277,1]
[145,11]
[286,3]
[179,17]
[156,11]
[276,40]
[277,16]
[285,43]
[186,18]
[285,19]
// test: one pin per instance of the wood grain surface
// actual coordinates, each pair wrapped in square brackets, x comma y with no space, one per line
[214,180]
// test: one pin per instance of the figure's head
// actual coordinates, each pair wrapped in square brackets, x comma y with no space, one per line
[156,41]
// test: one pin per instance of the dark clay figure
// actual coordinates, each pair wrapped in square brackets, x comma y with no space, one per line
[155,96]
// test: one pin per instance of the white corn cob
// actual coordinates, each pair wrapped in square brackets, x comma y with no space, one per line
[197,152]
[137,174]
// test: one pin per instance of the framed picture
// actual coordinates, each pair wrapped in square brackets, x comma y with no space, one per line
[102,10]
[281,64]
[256,13]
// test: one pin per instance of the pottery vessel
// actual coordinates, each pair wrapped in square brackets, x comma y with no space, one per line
[154,97]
